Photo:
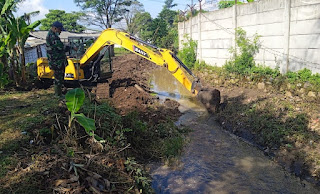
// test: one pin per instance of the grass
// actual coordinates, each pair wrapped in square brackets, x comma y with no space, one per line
[21,114]
[27,116]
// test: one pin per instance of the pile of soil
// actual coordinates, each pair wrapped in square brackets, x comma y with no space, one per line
[128,89]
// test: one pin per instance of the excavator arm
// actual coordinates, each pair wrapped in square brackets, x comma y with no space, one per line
[161,57]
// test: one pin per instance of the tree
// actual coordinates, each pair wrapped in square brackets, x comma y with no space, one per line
[27,16]
[14,33]
[140,22]
[168,4]
[69,20]
[168,16]
[154,32]
[104,13]
[130,19]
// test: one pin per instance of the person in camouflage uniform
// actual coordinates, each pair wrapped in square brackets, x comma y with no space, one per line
[56,56]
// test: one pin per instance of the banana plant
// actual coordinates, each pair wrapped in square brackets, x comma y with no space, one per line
[74,101]
[14,31]
[23,30]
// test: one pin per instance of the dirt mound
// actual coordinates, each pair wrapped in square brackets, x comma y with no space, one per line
[128,89]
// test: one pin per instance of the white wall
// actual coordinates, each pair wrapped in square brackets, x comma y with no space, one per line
[289,30]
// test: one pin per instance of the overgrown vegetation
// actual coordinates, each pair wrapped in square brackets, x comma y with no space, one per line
[242,62]
[230,3]
[188,52]
[14,32]
[120,146]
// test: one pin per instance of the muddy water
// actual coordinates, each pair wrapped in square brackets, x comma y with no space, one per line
[215,161]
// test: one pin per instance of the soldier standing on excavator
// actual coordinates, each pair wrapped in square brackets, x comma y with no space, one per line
[56,56]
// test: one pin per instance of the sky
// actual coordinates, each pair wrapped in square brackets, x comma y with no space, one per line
[27,6]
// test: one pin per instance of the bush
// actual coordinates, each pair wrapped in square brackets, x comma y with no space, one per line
[188,54]
[243,63]
[304,75]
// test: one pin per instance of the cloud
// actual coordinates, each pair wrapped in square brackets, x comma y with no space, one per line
[28,6]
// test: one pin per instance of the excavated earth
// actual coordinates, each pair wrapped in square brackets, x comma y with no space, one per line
[128,90]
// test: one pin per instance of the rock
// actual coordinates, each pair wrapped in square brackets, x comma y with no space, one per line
[289,86]
[312,94]
[216,82]
[288,94]
[302,91]
[307,85]
[299,85]
[261,86]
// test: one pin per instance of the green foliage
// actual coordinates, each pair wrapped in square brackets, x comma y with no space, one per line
[14,32]
[4,80]
[200,65]
[226,4]
[188,53]
[304,75]
[140,23]
[161,31]
[243,62]
[162,140]
[104,13]
[74,101]
[133,17]
[69,20]
[168,4]
[173,146]
[168,16]
[139,175]
[170,41]
[154,33]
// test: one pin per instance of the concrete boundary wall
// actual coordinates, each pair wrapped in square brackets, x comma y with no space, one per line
[289,30]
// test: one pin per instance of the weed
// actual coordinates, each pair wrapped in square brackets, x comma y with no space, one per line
[138,174]
[242,63]
[188,53]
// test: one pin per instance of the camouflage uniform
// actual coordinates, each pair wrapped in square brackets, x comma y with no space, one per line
[57,59]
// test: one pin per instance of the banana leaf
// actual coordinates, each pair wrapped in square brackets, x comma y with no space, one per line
[74,99]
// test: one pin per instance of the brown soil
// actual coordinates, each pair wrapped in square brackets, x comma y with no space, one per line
[128,89]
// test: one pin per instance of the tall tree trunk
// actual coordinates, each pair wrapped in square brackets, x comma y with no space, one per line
[14,67]
[23,66]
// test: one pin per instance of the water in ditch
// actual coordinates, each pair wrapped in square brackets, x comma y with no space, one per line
[215,161]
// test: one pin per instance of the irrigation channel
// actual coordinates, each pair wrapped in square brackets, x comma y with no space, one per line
[215,161]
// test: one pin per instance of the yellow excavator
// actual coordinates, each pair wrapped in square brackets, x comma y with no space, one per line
[87,68]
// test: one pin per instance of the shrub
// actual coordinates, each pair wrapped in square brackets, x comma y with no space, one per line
[243,62]
[188,54]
